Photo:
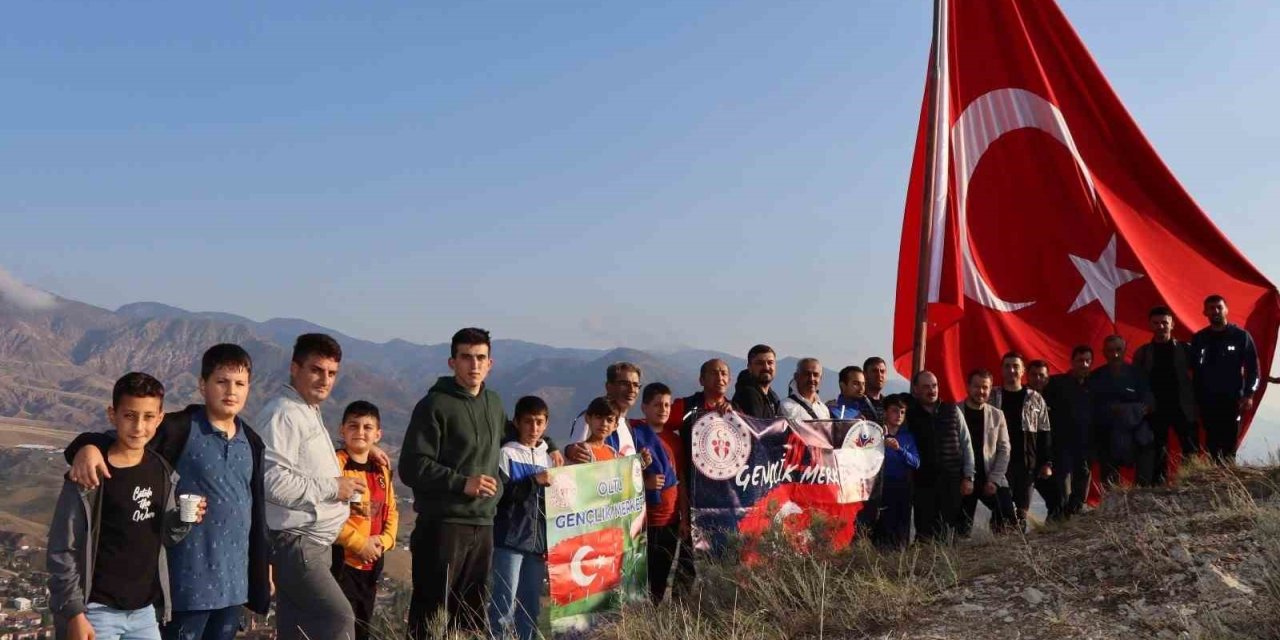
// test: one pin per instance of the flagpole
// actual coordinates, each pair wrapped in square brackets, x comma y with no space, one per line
[926,212]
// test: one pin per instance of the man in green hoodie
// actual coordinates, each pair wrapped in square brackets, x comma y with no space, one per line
[450,460]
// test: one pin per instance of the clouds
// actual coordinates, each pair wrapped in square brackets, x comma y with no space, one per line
[16,292]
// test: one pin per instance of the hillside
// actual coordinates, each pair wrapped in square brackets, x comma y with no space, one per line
[1197,560]
[57,364]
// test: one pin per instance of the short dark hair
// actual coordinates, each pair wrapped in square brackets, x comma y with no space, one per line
[915,377]
[848,371]
[600,407]
[757,350]
[316,344]
[360,409]
[136,384]
[1160,310]
[653,390]
[1214,299]
[231,356]
[1037,364]
[531,406]
[470,336]
[1012,354]
[1079,349]
[873,361]
[897,400]
[979,373]
[616,369]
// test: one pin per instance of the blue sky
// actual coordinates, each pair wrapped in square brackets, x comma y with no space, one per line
[581,174]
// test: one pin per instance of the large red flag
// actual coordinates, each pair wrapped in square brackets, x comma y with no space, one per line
[1054,221]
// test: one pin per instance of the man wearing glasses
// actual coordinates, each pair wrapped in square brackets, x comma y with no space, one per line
[621,388]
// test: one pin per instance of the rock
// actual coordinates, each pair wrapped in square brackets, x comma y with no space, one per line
[1180,554]
[1213,582]
[968,607]
[1033,596]
[1008,619]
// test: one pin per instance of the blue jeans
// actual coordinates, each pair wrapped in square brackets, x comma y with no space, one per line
[517,590]
[115,624]
[208,624]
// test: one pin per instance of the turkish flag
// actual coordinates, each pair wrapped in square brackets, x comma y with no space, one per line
[793,507]
[1054,222]
[584,565]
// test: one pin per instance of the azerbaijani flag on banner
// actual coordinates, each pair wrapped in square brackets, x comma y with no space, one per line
[595,541]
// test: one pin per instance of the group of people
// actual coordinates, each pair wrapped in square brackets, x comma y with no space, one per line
[284,514]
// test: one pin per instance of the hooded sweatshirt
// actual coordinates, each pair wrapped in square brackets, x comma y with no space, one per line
[453,435]
[749,399]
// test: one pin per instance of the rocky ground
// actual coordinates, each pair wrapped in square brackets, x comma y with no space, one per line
[1199,560]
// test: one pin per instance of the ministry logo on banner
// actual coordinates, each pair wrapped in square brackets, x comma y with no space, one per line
[753,475]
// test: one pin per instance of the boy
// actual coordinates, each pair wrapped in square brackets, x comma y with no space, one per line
[602,421]
[893,526]
[106,557]
[661,485]
[519,528]
[217,569]
[371,529]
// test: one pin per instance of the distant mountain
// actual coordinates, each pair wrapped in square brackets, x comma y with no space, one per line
[58,364]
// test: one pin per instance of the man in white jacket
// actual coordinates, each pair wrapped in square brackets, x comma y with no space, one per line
[803,402]
[307,496]
[989,435]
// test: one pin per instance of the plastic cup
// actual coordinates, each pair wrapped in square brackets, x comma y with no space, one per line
[356,497]
[189,506]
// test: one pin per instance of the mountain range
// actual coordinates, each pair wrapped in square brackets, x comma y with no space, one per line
[58,362]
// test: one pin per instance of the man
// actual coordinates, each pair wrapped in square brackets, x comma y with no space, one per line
[753,395]
[1027,418]
[852,402]
[1121,402]
[621,389]
[946,459]
[804,403]
[1167,364]
[1071,413]
[877,373]
[989,438]
[450,460]
[1051,488]
[1225,367]
[307,496]
[714,378]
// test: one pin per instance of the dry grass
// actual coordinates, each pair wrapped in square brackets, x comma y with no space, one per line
[859,591]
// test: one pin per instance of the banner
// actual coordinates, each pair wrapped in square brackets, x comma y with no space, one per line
[751,474]
[595,541]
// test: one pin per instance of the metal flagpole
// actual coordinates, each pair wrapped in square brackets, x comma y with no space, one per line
[937,56]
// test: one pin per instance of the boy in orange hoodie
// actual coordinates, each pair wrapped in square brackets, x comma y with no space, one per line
[371,530]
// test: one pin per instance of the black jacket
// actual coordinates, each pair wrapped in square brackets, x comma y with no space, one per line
[170,441]
[1225,362]
[938,439]
[749,399]
[1144,358]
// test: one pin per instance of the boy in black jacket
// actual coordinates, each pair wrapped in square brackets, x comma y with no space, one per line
[519,528]
[106,560]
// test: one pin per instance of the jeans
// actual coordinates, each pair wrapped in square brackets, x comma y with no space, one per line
[517,591]
[115,624]
[309,603]
[208,624]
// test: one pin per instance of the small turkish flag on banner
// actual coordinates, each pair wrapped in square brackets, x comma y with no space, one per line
[1053,221]
[586,564]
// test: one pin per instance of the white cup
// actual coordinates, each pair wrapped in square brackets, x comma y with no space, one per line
[188,506]
[356,497]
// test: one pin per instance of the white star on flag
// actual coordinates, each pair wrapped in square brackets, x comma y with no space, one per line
[1101,279]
